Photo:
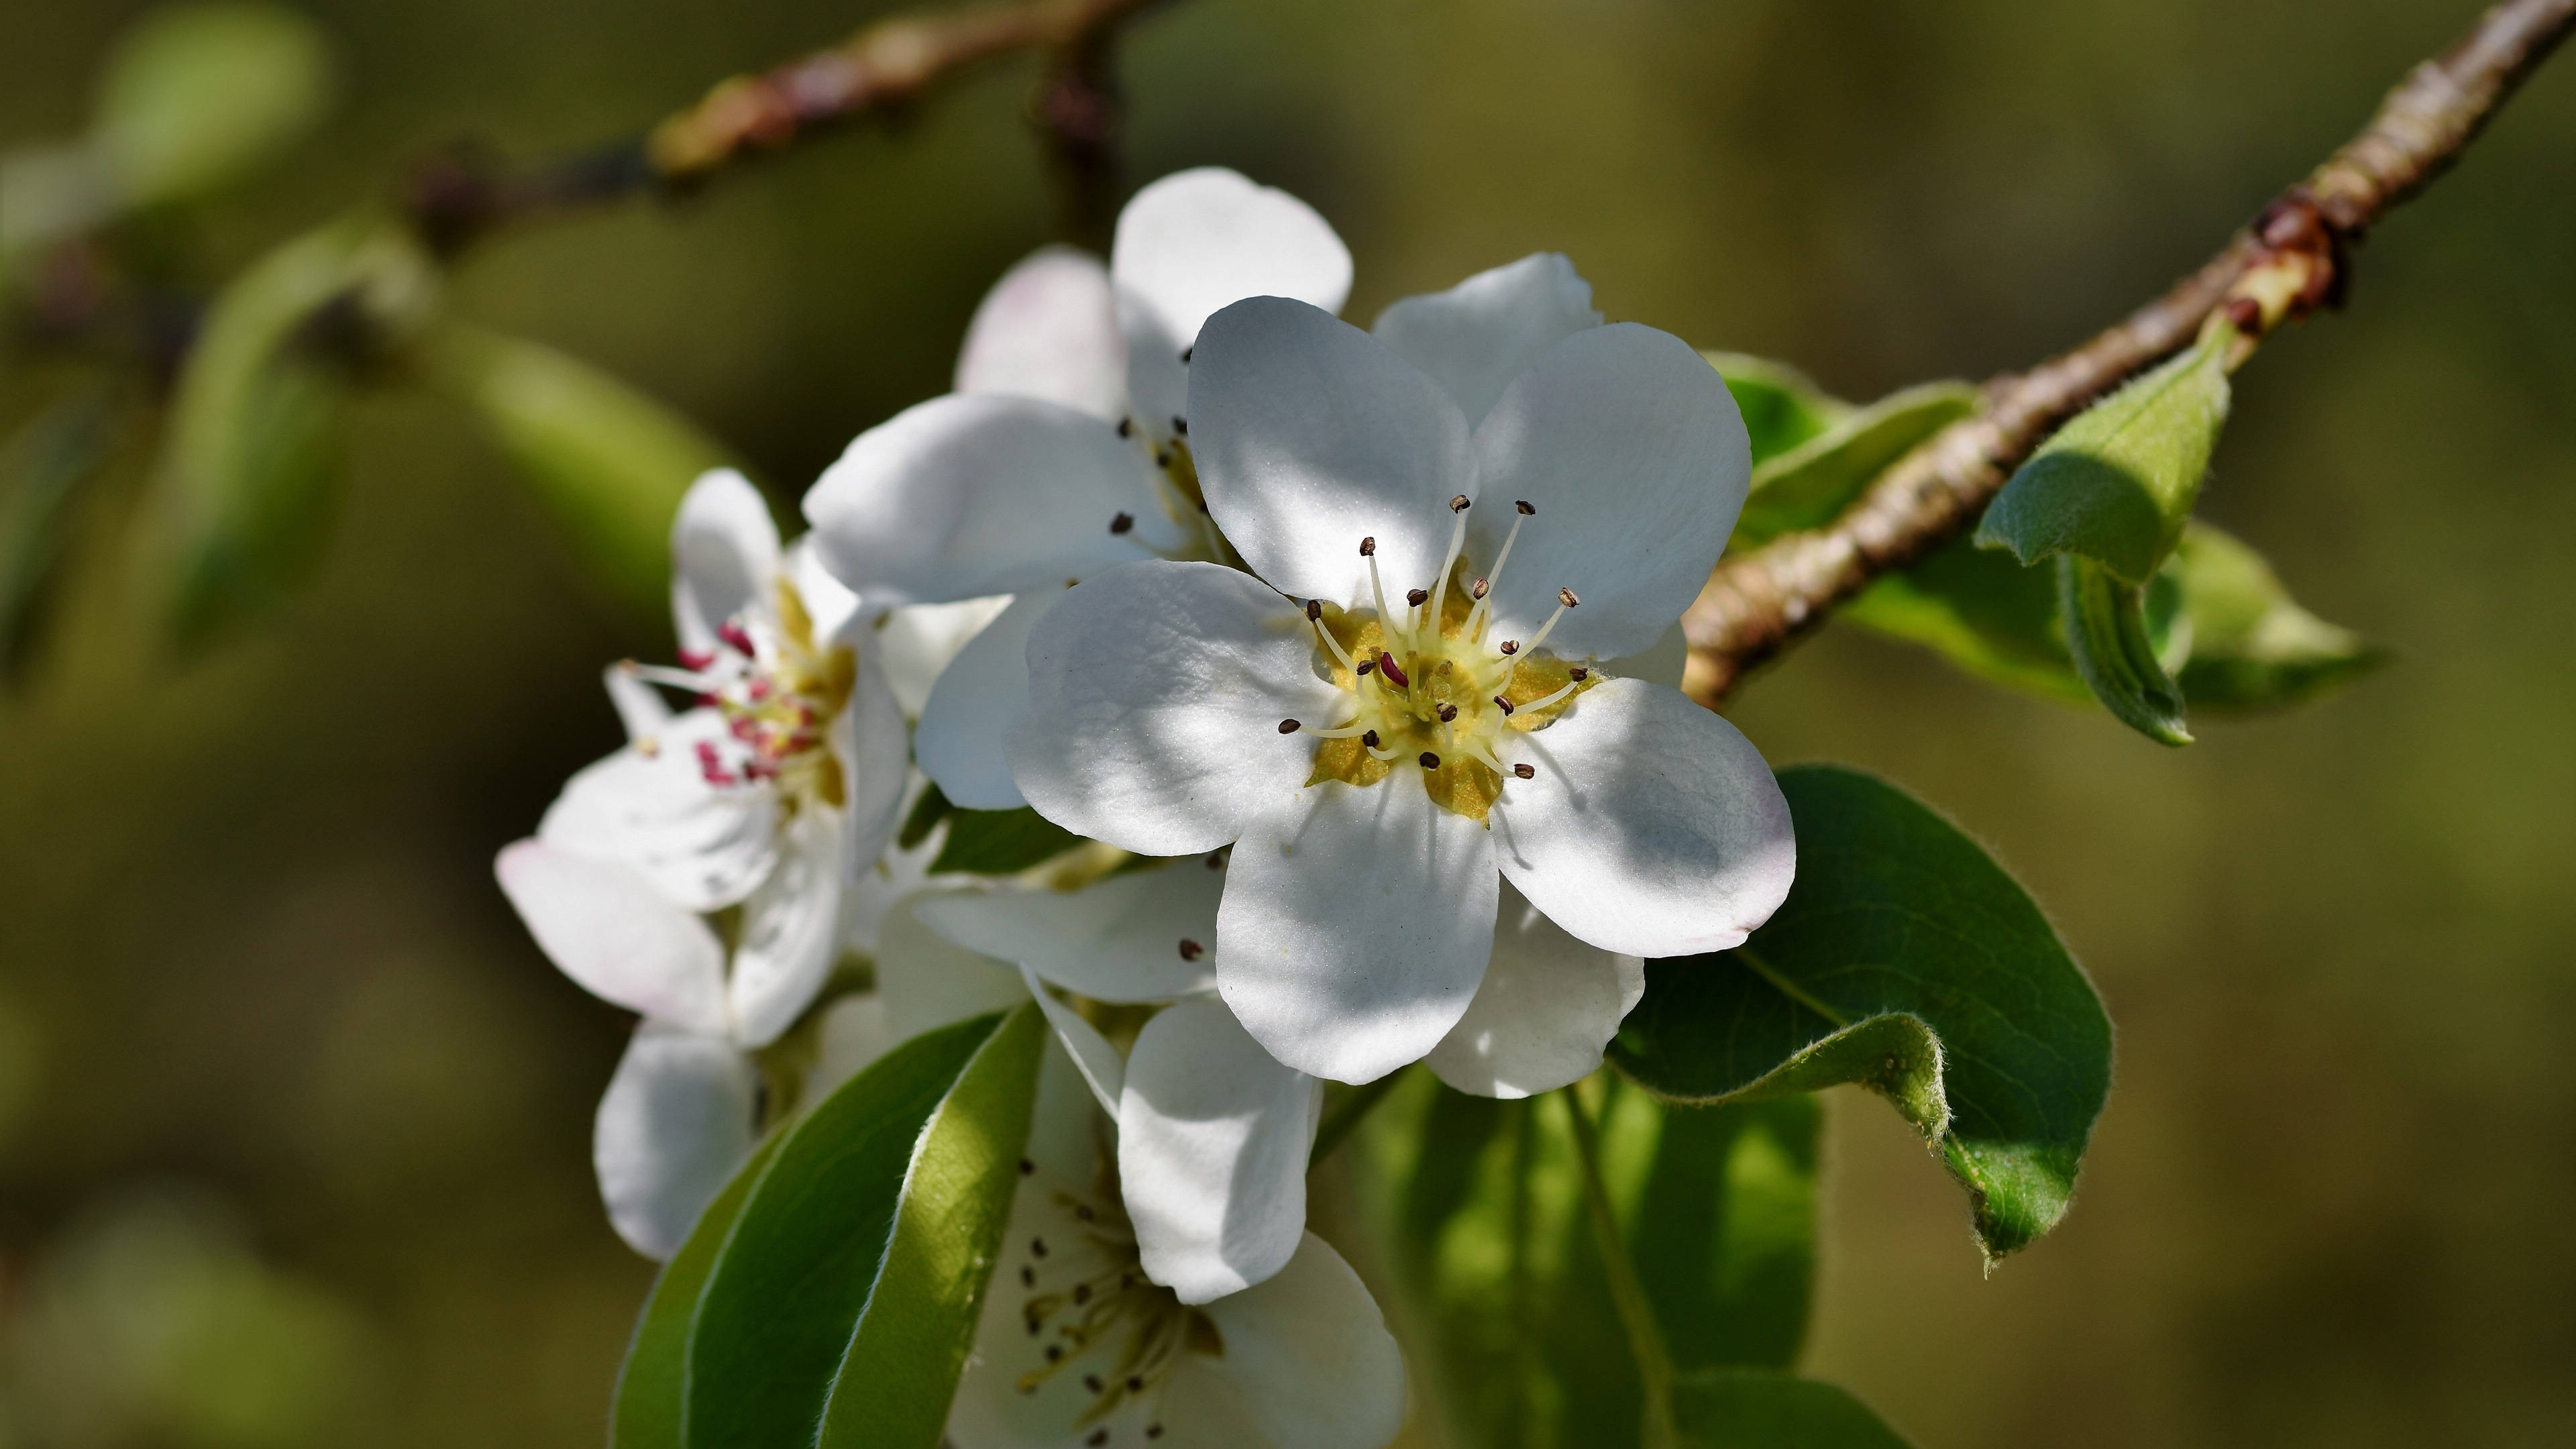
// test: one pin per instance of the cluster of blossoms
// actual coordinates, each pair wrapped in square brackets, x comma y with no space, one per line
[1361,644]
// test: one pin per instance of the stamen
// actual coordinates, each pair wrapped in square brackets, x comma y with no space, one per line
[1525,772]
[1191,950]
[1370,739]
[1566,598]
[1448,561]
[1476,620]
[1579,674]
[1565,601]
[1288,727]
[1181,427]
[1377,591]
[1415,597]
[1482,585]
[1553,698]
[1185,353]
[1342,732]
[1448,713]
[1429,761]
[1122,523]
[690,680]
[1511,646]
[1459,503]
[1126,427]
[1503,704]
[1315,616]
[1365,666]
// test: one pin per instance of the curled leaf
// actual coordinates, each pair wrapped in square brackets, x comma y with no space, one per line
[2116,484]
[1810,483]
[2107,635]
[2252,646]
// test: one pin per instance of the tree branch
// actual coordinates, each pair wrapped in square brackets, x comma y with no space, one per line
[457,197]
[2294,258]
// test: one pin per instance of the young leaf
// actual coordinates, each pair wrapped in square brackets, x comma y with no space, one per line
[846,1291]
[1806,486]
[1000,842]
[196,96]
[1980,610]
[1718,1204]
[2116,484]
[2107,634]
[253,451]
[646,1412]
[41,469]
[1750,1409]
[609,463]
[1906,960]
[2252,646]
[1782,406]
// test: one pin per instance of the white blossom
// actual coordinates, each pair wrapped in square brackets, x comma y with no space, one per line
[1400,707]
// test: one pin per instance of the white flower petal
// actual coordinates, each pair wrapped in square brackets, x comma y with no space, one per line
[828,602]
[1312,1357]
[673,1126]
[874,747]
[975,494]
[1048,330]
[895,874]
[1480,334]
[702,846]
[724,555]
[917,641]
[1155,696]
[1355,927]
[979,696]
[1213,1136]
[847,1041]
[1652,828]
[790,930]
[1631,449]
[639,706]
[604,925]
[1103,1070]
[1310,435]
[1547,1007]
[929,983]
[1118,940]
[1195,241]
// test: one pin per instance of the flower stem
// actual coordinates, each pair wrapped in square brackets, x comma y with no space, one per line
[1656,1427]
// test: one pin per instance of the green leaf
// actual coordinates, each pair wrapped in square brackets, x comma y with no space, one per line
[241,503]
[1907,961]
[1485,1196]
[1782,406]
[41,469]
[1980,610]
[1750,1409]
[2116,484]
[1001,842]
[651,1384]
[197,96]
[2252,646]
[2115,652]
[846,1291]
[609,463]
[927,812]
[1806,486]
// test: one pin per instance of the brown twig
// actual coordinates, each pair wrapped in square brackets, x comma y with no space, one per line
[1079,111]
[2291,260]
[457,197]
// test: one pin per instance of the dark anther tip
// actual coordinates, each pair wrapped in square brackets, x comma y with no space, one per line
[1288,727]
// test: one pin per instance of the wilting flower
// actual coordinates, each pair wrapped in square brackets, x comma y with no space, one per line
[1213,1133]
[767,798]
[1078,1346]
[1065,449]
[1403,701]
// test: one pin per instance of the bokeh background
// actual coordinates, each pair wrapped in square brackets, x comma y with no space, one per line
[294,1120]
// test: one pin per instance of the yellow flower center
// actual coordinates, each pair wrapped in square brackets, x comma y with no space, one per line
[778,689]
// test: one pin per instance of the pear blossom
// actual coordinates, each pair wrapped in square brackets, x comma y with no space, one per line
[1065,448]
[1402,705]
[1213,1133]
[1079,1348]
[770,797]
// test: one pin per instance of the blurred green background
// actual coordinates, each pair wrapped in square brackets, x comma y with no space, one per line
[294,1121]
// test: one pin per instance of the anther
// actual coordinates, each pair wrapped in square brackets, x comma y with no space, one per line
[1523,505]
[1448,714]
[1122,523]
[1037,1247]
[1216,861]
[1055,1352]
[1186,351]
[1502,704]
[1162,459]
[1098,1437]
[1314,609]
[1366,665]
[1153,1431]
[1430,761]
[1526,772]
[1027,1167]
[1579,674]
[1093,1383]
[1371,740]
[1386,666]
[1126,427]
[1416,596]
[1458,504]
[1478,591]
[1082,1294]
[1368,546]
[1511,646]
[1028,1277]
[1288,727]
[1567,598]
[1181,427]
[1191,950]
